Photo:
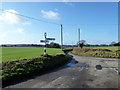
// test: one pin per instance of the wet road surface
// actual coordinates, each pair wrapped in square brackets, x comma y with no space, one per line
[81,72]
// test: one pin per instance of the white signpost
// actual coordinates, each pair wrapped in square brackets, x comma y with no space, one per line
[46,41]
[50,38]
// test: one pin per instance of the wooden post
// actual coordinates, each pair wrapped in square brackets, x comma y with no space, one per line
[61,37]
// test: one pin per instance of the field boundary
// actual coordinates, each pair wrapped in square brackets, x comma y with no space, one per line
[15,71]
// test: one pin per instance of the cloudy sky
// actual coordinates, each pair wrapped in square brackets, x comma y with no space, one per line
[98,22]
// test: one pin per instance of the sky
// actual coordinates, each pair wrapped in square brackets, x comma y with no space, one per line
[98,22]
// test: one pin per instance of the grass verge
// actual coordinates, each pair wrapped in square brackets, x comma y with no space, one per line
[13,71]
[106,53]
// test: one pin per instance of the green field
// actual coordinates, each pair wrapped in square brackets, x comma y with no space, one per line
[18,53]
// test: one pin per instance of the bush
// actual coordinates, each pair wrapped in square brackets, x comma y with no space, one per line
[53,45]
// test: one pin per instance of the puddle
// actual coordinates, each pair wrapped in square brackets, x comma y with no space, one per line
[98,67]
[76,64]
[72,63]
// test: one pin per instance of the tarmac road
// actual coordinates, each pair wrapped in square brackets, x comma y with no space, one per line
[81,72]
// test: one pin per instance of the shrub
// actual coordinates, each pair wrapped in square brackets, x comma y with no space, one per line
[53,45]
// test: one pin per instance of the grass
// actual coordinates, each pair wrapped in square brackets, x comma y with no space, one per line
[0,54]
[88,51]
[18,53]
[103,47]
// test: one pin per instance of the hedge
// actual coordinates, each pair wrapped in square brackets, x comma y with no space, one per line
[14,71]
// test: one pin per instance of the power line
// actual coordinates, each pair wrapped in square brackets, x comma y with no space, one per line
[73,25]
[30,17]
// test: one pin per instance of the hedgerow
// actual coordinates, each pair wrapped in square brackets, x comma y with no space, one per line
[13,71]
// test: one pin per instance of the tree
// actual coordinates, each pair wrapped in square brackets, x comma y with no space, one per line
[81,43]
[112,43]
[115,44]
[53,45]
[4,45]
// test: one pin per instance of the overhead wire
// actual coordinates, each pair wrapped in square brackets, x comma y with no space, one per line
[30,17]
[73,25]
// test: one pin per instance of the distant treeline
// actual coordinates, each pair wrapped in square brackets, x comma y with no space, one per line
[56,45]
[51,45]
[22,45]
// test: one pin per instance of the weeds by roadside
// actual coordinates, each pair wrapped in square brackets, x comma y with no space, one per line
[97,52]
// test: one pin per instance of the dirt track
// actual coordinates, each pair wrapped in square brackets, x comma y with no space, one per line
[77,75]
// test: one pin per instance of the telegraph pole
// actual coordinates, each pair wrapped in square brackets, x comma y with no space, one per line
[61,37]
[79,37]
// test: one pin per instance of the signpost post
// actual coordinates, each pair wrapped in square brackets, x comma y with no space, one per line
[45,34]
[46,41]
